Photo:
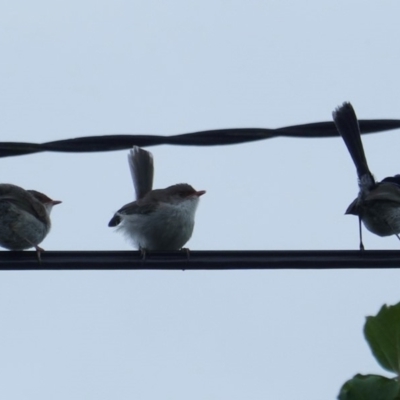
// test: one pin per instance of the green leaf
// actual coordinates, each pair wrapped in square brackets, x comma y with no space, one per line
[370,387]
[383,336]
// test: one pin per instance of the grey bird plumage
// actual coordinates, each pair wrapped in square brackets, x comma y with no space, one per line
[378,203]
[160,219]
[24,217]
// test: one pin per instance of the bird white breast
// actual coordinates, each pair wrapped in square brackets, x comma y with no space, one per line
[382,218]
[167,228]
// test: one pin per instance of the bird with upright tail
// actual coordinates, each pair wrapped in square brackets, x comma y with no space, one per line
[378,203]
[159,219]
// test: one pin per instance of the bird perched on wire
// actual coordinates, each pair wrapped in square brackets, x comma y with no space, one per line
[160,219]
[24,218]
[378,203]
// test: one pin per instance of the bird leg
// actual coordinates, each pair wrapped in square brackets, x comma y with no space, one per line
[187,251]
[360,231]
[38,251]
[143,253]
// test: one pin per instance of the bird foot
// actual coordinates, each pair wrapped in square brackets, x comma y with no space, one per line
[187,251]
[143,253]
[39,250]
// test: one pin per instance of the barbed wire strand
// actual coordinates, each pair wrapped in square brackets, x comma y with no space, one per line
[215,137]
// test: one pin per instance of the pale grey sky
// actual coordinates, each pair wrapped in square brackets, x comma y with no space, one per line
[81,68]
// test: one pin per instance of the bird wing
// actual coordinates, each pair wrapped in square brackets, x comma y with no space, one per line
[384,191]
[23,200]
[131,209]
[136,208]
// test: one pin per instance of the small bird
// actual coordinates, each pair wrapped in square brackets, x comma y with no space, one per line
[160,219]
[24,217]
[378,203]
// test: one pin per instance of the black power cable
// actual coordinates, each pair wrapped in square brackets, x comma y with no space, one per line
[200,260]
[216,137]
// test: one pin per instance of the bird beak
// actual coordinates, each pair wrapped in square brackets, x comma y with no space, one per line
[55,202]
[200,193]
